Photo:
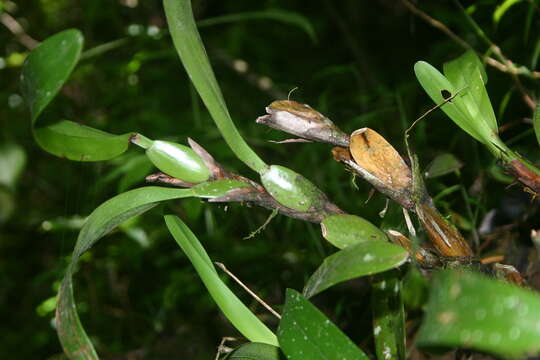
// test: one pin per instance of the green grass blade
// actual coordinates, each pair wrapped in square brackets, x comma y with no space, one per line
[469,310]
[237,313]
[306,333]
[388,316]
[190,48]
[366,258]
[285,16]
[536,123]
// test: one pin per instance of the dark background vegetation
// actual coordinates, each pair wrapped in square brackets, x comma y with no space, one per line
[138,295]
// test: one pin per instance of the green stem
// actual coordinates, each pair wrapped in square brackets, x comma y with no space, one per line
[191,50]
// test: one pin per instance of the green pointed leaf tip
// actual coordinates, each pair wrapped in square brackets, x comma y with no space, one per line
[291,189]
[354,261]
[178,161]
[48,67]
[343,230]
[256,351]
[466,309]
[435,83]
[306,333]
[442,165]
[237,313]
[190,48]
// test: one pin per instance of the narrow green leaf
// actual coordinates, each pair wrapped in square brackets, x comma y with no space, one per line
[466,309]
[354,261]
[434,83]
[48,67]
[536,123]
[306,333]
[45,71]
[443,164]
[388,316]
[237,313]
[343,230]
[467,72]
[190,48]
[256,351]
[102,220]
[285,16]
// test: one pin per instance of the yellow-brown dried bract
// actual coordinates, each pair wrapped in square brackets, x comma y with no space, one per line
[374,154]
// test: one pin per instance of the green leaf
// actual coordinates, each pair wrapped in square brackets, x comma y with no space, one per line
[467,72]
[388,316]
[354,261]
[502,9]
[12,163]
[256,351]
[443,164]
[102,220]
[434,83]
[48,67]
[343,230]
[214,189]
[237,313]
[536,123]
[190,48]
[285,16]
[306,333]
[466,309]
[45,71]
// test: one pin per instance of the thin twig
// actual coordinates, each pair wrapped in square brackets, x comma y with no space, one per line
[17,30]
[261,301]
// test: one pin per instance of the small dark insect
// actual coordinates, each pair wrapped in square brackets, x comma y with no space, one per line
[446,94]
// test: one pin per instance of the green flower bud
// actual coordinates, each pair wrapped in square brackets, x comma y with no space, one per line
[292,190]
[343,230]
[178,161]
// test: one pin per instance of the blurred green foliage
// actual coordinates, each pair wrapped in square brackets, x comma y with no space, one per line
[139,296]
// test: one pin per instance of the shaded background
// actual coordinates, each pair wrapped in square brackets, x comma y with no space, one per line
[138,295]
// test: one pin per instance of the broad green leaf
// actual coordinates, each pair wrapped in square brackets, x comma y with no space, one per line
[48,67]
[467,72]
[536,122]
[306,333]
[77,142]
[354,261]
[12,163]
[466,309]
[45,71]
[434,83]
[344,230]
[256,351]
[237,313]
[190,48]
[443,164]
[502,9]
[102,220]
[285,16]
[388,316]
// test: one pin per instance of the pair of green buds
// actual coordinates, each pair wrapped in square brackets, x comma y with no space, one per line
[287,187]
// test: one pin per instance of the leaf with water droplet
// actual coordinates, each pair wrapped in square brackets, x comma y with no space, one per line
[354,261]
[306,333]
